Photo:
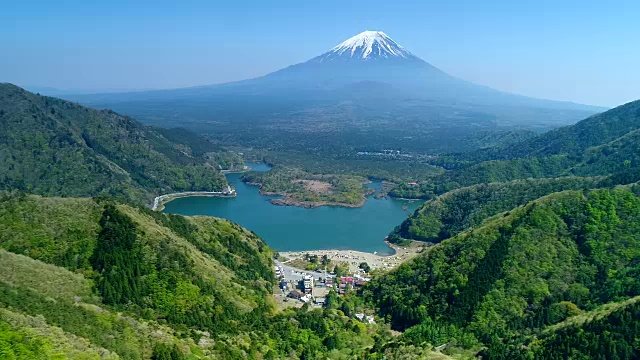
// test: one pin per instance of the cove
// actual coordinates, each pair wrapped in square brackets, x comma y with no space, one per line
[290,228]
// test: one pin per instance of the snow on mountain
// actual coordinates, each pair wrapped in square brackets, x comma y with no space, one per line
[365,46]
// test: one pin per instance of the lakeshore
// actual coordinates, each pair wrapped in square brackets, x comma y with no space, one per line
[160,201]
[353,258]
[293,228]
[287,199]
[236,171]
[290,201]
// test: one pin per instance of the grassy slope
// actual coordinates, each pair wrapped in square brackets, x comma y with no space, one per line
[59,308]
[64,231]
[611,331]
[589,316]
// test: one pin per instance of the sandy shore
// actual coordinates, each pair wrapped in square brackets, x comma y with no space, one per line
[354,258]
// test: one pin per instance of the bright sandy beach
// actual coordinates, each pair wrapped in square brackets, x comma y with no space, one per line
[354,258]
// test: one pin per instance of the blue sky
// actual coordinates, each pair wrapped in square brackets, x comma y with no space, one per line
[582,51]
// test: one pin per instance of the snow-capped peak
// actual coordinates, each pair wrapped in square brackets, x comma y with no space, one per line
[369,44]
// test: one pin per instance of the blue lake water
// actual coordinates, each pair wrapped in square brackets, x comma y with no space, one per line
[291,228]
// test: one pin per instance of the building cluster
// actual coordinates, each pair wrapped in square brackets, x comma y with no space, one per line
[309,289]
[347,283]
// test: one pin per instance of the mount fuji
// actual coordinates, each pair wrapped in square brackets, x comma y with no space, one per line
[368,45]
[368,56]
[365,78]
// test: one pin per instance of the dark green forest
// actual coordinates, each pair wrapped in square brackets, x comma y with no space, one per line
[504,283]
[461,209]
[50,146]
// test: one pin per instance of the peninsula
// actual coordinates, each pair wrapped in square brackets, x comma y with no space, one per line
[160,201]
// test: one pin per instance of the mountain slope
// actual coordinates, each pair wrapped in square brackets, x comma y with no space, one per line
[53,147]
[600,145]
[201,272]
[26,227]
[369,56]
[368,45]
[453,212]
[593,131]
[612,330]
[522,270]
[108,280]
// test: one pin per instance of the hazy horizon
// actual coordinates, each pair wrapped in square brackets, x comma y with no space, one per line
[566,52]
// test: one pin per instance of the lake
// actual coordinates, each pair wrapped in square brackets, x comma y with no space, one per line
[291,228]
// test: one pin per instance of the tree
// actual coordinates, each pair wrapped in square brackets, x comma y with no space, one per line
[166,352]
[364,266]
[331,299]
[117,258]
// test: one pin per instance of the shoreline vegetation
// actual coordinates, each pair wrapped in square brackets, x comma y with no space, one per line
[305,190]
[288,200]
[160,201]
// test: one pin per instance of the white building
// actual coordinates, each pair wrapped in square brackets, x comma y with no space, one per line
[308,283]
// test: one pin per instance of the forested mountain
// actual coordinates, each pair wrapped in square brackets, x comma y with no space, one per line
[464,208]
[537,248]
[601,145]
[530,261]
[50,146]
[611,331]
[93,278]
[594,131]
[504,283]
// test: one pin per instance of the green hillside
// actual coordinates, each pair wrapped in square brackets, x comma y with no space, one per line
[596,130]
[91,278]
[519,272]
[54,147]
[467,207]
[536,252]
[159,255]
[612,330]
[597,146]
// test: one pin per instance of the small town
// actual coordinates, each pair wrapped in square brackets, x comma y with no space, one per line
[297,287]
[308,277]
